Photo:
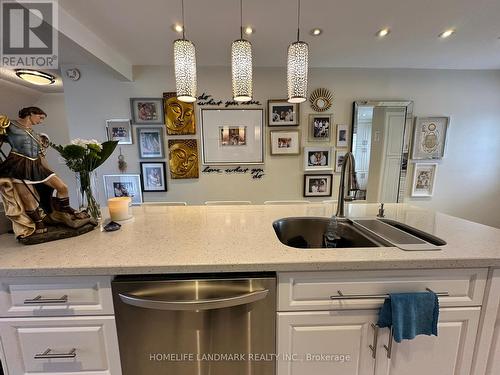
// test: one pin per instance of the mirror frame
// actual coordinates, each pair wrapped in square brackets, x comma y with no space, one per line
[406,135]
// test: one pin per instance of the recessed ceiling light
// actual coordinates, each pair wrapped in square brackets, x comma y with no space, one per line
[316,31]
[383,32]
[177,28]
[249,30]
[447,33]
[35,77]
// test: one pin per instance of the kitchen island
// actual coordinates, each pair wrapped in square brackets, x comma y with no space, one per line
[76,273]
[163,239]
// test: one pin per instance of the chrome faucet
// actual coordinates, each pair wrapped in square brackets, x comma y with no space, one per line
[347,165]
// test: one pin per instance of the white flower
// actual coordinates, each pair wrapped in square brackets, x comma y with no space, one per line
[85,142]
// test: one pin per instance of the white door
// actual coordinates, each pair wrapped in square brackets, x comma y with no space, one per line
[326,342]
[450,353]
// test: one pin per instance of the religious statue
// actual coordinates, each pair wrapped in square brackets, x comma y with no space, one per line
[27,183]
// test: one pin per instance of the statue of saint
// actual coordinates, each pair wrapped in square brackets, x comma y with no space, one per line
[27,182]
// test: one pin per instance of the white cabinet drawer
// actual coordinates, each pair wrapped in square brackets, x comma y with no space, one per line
[312,290]
[55,296]
[84,345]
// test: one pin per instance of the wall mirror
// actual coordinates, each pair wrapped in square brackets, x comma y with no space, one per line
[380,141]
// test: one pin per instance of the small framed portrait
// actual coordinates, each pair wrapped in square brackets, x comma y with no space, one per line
[342,136]
[146,111]
[183,158]
[424,179]
[282,113]
[123,185]
[232,136]
[320,127]
[318,185]
[179,116]
[318,158]
[429,137]
[150,141]
[285,142]
[119,130]
[339,159]
[153,176]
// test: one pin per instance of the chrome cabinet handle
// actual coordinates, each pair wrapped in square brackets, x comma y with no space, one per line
[38,300]
[48,354]
[341,296]
[373,346]
[388,347]
[203,304]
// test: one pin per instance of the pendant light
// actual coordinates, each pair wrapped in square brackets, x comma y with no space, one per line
[185,66]
[241,65]
[297,65]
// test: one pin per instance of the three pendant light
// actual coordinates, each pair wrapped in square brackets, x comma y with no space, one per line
[241,66]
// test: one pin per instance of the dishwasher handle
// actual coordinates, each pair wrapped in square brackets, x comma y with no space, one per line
[193,305]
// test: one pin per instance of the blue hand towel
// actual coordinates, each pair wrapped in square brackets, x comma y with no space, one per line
[410,314]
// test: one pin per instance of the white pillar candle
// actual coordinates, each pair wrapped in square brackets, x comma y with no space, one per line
[119,208]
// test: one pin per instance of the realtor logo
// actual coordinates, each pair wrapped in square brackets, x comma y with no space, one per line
[29,34]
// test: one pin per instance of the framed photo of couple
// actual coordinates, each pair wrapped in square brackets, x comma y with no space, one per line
[318,158]
[318,185]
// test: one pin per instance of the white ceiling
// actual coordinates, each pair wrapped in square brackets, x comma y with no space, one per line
[141,31]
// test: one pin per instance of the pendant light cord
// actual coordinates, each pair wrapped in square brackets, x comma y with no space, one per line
[183,22]
[298,21]
[241,19]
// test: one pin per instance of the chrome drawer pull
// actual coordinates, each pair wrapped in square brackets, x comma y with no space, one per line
[373,347]
[341,296]
[48,354]
[38,300]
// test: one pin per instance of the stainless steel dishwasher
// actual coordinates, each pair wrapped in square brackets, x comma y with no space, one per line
[207,324]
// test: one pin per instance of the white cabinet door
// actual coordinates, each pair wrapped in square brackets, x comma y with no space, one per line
[450,353]
[326,342]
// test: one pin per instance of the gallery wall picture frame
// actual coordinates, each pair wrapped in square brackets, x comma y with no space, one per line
[119,130]
[146,111]
[153,176]
[342,136]
[180,117]
[183,159]
[123,185]
[318,185]
[429,137]
[339,159]
[232,136]
[282,113]
[150,142]
[320,127]
[285,142]
[424,179]
[318,158]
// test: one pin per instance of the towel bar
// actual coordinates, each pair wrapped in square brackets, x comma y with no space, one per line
[373,296]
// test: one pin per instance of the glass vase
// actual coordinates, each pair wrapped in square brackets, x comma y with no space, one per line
[88,194]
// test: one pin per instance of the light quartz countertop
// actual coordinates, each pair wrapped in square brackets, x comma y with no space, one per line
[189,239]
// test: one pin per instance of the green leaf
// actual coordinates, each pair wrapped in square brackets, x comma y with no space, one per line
[107,149]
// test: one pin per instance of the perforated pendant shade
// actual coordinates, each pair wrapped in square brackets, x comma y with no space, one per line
[297,67]
[241,67]
[185,70]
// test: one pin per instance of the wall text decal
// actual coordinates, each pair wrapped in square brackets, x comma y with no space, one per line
[207,99]
[257,173]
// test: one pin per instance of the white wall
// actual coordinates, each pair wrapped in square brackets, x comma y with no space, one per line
[468,180]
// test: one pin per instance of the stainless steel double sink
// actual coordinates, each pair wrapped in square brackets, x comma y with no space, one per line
[313,232]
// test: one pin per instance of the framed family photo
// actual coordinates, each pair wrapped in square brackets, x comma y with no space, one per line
[123,185]
[232,136]
[342,136]
[318,185]
[429,137]
[119,130]
[150,141]
[424,179]
[285,142]
[282,113]
[153,176]
[320,127]
[317,158]
[146,110]
[339,159]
